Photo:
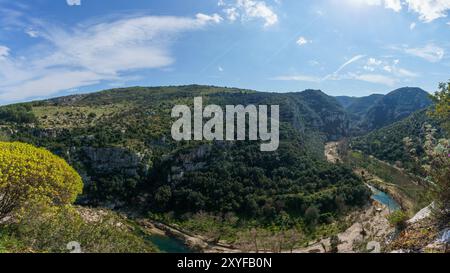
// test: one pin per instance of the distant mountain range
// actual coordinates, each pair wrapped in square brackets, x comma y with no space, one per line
[376,111]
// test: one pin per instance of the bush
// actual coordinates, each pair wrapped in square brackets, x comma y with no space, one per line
[42,227]
[27,172]
[398,219]
[19,113]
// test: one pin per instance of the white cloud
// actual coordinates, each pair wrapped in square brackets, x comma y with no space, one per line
[302,78]
[302,41]
[215,18]
[412,26]
[220,68]
[375,78]
[232,14]
[4,51]
[429,10]
[405,73]
[248,10]
[73,2]
[399,72]
[51,82]
[32,33]
[373,61]
[377,71]
[395,5]
[89,54]
[430,52]
[372,64]
[388,66]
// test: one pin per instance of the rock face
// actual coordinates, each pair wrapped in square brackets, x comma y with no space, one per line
[192,161]
[323,113]
[422,214]
[111,160]
[423,234]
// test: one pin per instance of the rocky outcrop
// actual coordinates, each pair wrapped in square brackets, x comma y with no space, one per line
[111,160]
[192,161]
[423,234]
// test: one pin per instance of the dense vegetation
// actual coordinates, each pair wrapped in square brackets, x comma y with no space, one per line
[387,143]
[37,190]
[263,185]
[377,111]
[119,141]
[437,150]
[20,113]
[61,229]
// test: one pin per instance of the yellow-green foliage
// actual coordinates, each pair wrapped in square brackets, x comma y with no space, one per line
[27,172]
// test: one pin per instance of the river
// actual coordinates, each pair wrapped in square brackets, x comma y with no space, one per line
[384,198]
[167,244]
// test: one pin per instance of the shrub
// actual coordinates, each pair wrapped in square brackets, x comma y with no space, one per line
[27,172]
[398,219]
[42,227]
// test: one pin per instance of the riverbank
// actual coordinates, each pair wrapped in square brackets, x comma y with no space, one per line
[369,225]
[194,242]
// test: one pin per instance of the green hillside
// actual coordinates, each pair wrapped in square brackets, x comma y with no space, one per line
[119,141]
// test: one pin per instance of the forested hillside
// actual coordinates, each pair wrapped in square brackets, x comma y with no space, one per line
[119,141]
[377,111]
[388,144]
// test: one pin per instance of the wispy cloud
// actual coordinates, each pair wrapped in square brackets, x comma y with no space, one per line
[215,18]
[298,77]
[373,70]
[89,54]
[344,65]
[429,52]
[374,78]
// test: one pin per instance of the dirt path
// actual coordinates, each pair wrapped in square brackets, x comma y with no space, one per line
[331,152]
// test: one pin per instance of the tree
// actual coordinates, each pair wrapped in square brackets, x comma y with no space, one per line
[162,196]
[334,243]
[27,172]
[441,110]
[311,215]
[437,151]
[398,219]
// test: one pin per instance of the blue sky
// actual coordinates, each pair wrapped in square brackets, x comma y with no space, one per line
[343,47]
